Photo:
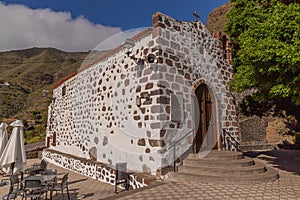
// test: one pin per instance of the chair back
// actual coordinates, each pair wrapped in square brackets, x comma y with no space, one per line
[64,181]
[50,172]
[44,164]
[33,185]
[14,183]
[14,179]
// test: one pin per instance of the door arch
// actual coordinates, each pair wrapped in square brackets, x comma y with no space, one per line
[203,119]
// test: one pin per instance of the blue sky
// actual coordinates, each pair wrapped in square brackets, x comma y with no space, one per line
[96,17]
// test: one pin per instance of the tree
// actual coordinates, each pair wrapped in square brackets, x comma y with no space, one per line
[266,48]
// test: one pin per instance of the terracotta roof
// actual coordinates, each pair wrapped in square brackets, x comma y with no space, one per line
[63,80]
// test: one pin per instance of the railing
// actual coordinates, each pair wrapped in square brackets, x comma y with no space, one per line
[174,147]
[229,141]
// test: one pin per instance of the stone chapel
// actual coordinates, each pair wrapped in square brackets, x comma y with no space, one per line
[145,111]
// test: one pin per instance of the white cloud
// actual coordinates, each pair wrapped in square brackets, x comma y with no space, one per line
[110,43]
[22,27]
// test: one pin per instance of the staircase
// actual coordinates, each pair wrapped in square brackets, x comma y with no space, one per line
[224,167]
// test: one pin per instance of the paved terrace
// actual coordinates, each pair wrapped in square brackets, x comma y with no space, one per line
[287,187]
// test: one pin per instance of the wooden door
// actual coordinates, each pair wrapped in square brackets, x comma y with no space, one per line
[203,114]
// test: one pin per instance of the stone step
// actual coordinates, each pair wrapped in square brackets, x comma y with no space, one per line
[257,147]
[211,162]
[223,167]
[208,170]
[221,155]
[269,175]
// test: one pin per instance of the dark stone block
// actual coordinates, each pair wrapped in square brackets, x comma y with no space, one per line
[96,140]
[162,133]
[156,92]
[144,94]
[169,62]
[187,76]
[175,58]
[163,117]
[138,89]
[177,28]
[149,86]
[137,117]
[163,84]
[161,25]
[156,109]
[93,153]
[143,110]
[141,142]
[144,80]
[147,71]
[155,125]
[147,102]
[156,143]
[167,22]
[163,100]
[156,18]
[147,150]
[157,76]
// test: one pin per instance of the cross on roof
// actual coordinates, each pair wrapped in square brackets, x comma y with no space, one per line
[196,16]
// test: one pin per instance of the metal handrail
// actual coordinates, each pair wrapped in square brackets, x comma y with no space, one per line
[236,144]
[174,145]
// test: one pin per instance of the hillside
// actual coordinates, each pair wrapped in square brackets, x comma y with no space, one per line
[217,18]
[26,81]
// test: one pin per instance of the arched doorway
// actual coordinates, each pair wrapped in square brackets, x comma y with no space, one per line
[204,123]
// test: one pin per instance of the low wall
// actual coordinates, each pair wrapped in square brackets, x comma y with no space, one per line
[34,150]
[253,131]
[93,169]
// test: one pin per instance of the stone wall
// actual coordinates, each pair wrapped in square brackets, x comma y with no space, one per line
[34,150]
[253,130]
[115,110]
[193,57]
[95,170]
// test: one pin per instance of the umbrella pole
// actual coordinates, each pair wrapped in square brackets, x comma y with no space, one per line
[12,166]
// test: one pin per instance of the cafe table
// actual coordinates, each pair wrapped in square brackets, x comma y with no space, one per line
[47,181]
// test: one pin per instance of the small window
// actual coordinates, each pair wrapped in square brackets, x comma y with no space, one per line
[63,91]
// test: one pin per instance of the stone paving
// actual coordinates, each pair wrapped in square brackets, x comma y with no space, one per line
[81,187]
[286,188]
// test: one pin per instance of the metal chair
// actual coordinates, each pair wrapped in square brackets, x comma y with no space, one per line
[50,172]
[38,169]
[50,183]
[33,189]
[15,189]
[61,187]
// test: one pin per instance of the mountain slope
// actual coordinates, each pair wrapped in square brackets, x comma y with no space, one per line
[26,81]
[217,18]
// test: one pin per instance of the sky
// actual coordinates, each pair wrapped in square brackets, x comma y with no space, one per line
[79,25]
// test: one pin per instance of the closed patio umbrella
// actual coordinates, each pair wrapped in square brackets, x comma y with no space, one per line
[13,158]
[3,137]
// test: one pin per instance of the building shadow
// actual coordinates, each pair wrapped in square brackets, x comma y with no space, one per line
[287,160]
[74,194]
[76,181]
